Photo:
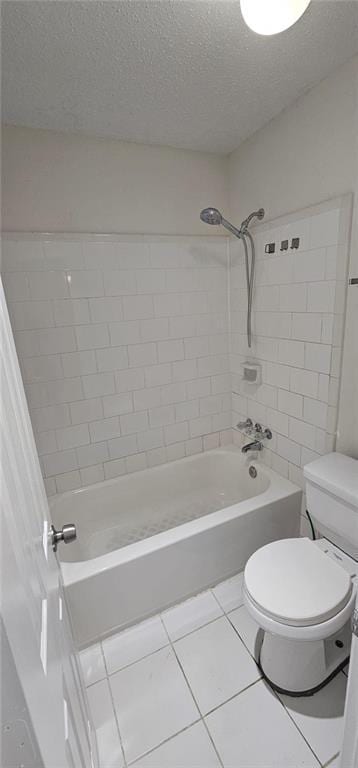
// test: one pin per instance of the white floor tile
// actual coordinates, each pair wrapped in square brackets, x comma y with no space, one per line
[109,746]
[192,614]
[216,663]
[157,714]
[152,702]
[254,731]
[320,717]
[190,749]
[246,627]
[92,664]
[134,643]
[229,593]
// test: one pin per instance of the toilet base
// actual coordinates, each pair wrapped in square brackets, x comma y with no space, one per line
[301,668]
[310,691]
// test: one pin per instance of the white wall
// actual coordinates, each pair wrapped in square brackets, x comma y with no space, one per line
[298,311]
[56,182]
[123,345]
[302,157]
[307,154]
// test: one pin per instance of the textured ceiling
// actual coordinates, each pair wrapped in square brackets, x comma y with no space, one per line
[175,72]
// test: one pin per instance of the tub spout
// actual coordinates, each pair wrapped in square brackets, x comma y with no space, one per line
[256,445]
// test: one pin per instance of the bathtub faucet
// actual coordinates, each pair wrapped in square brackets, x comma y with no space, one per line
[256,445]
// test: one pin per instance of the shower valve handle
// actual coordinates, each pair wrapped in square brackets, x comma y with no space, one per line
[245,424]
[263,432]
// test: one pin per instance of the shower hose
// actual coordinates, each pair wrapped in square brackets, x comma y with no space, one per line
[250,274]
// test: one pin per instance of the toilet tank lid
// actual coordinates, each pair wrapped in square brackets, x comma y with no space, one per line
[337,474]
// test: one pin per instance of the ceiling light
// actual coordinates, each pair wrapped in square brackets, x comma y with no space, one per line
[268,17]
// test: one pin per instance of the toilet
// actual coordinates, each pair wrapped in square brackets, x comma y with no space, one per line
[301,593]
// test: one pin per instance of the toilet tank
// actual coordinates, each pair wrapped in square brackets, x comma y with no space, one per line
[332,499]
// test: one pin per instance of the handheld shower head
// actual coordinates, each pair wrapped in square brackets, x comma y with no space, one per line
[211,216]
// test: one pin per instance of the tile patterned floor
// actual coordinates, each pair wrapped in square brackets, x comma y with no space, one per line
[182,690]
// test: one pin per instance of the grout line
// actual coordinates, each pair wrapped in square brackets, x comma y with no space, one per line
[235,695]
[113,713]
[194,699]
[187,634]
[216,599]
[201,716]
[293,721]
[261,679]
[142,658]
[113,706]
[242,640]
[181,668]
[165,741]
[326,765]
[117,723]
[104,658]
[170,641]
[230,610]
[96,681]
[231,698]
[212,742]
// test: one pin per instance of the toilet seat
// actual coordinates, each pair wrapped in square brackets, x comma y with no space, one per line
[292,582]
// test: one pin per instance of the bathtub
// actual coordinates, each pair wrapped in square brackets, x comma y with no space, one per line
[148,540]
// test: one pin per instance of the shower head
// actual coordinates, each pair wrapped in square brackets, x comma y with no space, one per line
[211,216]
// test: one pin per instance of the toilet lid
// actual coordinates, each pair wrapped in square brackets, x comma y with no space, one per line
[294,582]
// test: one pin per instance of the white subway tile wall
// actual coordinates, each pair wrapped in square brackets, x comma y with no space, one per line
[123,346]
[298,317]
[132,348]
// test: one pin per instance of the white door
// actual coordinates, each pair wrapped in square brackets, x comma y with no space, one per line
[349,753]
[33,609]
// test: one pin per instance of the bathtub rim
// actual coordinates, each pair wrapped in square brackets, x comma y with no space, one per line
[231,448]
[279,488]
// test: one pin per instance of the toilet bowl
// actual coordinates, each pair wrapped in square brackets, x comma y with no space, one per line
[301,594]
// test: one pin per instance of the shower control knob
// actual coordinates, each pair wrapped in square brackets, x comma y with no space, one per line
[247,424]
[67,534]
[263,431]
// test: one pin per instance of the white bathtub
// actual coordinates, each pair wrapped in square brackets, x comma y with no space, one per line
[192,523]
